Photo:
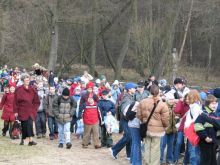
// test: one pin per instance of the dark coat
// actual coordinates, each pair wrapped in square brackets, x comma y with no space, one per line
[63,109]
[26,103]
[106,106]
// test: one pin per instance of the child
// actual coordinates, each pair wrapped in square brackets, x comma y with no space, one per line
[107,107]
[207,133]
[52,124]
[63,108]
[8,114]
[91,115]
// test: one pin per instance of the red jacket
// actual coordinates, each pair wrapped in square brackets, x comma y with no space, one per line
[7,106]
[90,113]
[181,108]
[26,103]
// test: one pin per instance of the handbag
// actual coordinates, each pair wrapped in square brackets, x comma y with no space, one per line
[143,126]
[190,133]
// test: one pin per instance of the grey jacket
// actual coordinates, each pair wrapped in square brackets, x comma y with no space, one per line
[63,109]
[126,100]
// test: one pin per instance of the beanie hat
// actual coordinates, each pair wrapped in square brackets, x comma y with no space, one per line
[216,92]
[178,81]
[66,92]
[90,84]
[130,85]
[102,77]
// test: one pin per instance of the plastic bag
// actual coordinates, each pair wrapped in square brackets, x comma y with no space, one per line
[111,124]
[80,127]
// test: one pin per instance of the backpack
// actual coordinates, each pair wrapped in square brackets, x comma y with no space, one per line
[130,115]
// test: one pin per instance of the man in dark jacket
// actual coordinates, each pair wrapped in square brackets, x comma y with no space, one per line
[63,108]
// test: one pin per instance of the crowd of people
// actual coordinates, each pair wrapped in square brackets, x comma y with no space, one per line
[152,115]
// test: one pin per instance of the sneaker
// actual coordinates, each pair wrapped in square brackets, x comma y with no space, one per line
[68,145]
[60,145]
[3,134]
[112,153]
[32,143]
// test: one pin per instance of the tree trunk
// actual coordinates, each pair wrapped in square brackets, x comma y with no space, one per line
[54,39]
[122,55]
[175,63]
[159,67]
[209,62]
[94,33]
[186,31]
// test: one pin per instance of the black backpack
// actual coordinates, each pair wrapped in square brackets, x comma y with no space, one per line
[130,115]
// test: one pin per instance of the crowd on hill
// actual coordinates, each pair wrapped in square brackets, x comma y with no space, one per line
[152,115]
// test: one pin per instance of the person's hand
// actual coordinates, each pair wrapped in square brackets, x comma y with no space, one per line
[208,140]
[16,114]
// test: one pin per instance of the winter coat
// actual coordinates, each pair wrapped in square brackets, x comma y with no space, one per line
[180,109]
[127,99]
[205,129]
[26,103]
[138,96]
[159,120]
[90,112]
[48,104]
[41,95]
[106,106]
[7,107]
[63,109]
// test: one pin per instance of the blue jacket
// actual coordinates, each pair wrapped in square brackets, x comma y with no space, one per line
[106,106]
[204,128]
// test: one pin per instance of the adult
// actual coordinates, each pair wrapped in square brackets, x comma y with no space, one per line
[151,81]
[26,103]
[127,99]
[156,126]
[141,93]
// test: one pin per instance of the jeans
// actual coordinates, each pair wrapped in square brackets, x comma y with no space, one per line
[64,133]
[52,124]
[135,158]
[124,141]
[40,123]
[179,141]
[167,140]
[193,153]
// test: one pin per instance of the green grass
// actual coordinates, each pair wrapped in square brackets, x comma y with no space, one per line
[11,150]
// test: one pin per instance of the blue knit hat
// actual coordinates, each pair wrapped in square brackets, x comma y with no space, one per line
[203,95]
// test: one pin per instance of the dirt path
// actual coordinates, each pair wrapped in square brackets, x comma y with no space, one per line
[47,152]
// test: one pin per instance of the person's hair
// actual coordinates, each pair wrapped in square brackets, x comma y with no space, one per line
[24,76]
[194,96]
[185,97]
[210,99]
[154,91]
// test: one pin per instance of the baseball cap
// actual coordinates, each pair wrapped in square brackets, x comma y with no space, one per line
[130,85]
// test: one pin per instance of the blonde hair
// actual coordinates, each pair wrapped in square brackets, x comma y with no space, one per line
[193,97]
